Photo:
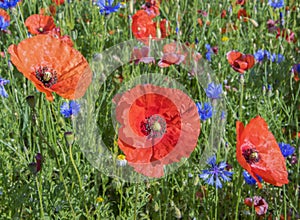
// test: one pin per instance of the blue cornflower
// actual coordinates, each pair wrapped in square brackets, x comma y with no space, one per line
[277,57]
[213,174]
[3,92]
[276,3]
[5,4]
[260,55]
[69,109]
[205,112]
[280,58]
[108,8]
[249,179]
[214,91]
[286,149]
[208,52]
[3,24]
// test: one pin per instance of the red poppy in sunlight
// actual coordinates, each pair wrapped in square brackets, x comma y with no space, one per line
[141,55]
[152,8]
[258,152]
[4,15]
[260,205]
[240,2]
[240,62]
[143,27]
[287,34]
[52,66]
[158,126]
[39,24]
[58,2]
[173,54]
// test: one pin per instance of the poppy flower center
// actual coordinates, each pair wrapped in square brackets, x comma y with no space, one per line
[251,155]
[41,30]
[154,126]
[46,75]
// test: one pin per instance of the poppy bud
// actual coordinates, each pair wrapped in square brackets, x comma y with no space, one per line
[30,101]
[69,137]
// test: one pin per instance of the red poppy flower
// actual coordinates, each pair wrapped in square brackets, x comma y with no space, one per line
[260,205]
[143,27]
[4,15]
[152,8]
[173,54]
[158,126]
[240,62]
[287,34]
[39,24]
[223,13]
[52,66]
[50,10]
[258,152]
[165,28]
[240,2]
[141,55]
[58,2]
[243,13]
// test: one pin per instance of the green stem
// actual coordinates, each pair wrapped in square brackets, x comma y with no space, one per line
[216,203]
[78,176]
[136,200]
[241,97]
[39,188]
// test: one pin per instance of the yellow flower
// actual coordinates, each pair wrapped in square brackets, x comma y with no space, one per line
[224,39]
[99,199]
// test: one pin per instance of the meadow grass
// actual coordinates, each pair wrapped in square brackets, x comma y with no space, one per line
[69,187]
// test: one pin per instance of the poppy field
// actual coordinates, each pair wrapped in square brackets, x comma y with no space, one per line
[149,109]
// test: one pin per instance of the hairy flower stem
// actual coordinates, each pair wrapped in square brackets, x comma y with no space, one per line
[78,176]
[39,188]
[242,80]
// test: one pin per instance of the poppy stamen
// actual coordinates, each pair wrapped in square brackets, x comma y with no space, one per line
[41,30]
[251,155]
[153,127]
[46,75]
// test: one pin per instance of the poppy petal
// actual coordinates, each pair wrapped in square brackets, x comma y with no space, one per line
[232,56]
[269,164]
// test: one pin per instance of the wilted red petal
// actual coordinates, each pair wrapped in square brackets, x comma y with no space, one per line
[260,205]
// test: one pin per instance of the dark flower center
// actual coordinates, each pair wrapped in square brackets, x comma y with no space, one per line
[41,30]
[46,75]
[251,155]
[154,126]
[148,4]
